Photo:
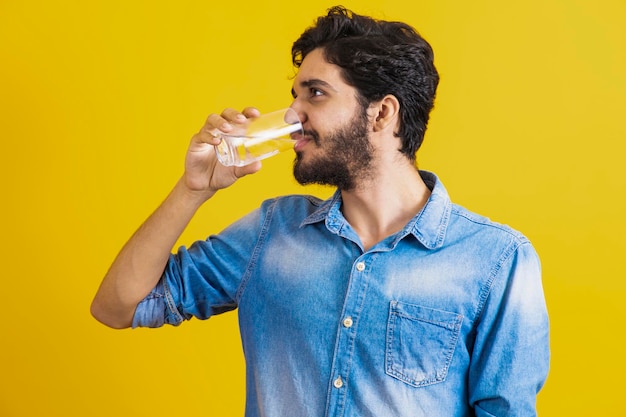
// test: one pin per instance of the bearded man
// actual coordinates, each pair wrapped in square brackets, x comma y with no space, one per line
[384,300]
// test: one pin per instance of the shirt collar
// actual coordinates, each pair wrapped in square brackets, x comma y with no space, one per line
[428,226]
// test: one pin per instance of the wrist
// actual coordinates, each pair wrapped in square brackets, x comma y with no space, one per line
[189,197]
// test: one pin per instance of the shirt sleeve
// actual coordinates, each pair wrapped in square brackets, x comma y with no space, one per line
[511,353]
[204,279]
[155,309]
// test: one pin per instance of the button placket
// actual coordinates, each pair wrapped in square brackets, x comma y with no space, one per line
[347,322]
[347,335]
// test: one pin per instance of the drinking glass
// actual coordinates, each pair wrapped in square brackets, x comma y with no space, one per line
[258,137]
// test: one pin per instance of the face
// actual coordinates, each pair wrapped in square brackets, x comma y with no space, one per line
[335,149]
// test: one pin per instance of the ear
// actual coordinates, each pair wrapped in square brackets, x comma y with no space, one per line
[386,113]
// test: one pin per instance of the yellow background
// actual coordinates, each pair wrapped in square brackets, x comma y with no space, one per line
[99,98]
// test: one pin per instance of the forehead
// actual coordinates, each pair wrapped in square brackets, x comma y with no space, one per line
[315,67]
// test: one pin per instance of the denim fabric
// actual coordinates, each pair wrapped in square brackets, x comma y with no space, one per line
[445,318]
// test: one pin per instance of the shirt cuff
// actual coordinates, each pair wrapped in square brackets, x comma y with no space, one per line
[154,310]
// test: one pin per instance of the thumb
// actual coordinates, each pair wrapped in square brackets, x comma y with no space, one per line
[248,169]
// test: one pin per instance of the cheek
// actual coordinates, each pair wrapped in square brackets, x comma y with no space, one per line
[328,120]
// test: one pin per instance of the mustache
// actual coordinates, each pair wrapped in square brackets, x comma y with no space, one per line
[315,137]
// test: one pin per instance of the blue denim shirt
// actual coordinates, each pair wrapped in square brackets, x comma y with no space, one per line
[445,318]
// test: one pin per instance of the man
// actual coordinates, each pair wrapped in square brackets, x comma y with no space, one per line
[384,300]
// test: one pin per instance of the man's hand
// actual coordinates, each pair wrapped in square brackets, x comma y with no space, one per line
[204,175]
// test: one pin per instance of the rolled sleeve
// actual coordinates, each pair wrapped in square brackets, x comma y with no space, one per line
[155,309]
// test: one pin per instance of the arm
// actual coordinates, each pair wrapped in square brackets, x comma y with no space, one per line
[140,264]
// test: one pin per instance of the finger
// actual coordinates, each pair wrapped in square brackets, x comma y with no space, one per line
[212,129]
[251,112]
[217,122]
[233,116]
[204,136]
[223,123]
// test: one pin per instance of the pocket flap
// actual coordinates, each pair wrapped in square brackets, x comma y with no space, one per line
[420,343]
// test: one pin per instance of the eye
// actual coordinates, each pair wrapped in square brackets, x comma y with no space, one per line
[315,92]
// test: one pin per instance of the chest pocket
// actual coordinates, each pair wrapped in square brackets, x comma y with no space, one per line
[420,343]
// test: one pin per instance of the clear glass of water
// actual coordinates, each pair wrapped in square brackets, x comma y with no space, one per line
[259,138]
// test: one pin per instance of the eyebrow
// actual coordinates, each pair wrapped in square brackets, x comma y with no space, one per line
[314,82]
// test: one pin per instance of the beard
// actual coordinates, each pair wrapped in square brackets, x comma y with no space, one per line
[347,157]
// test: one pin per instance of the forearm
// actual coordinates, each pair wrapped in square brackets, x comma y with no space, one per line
[140,264]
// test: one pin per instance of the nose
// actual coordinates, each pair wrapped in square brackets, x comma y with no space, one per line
[297,108]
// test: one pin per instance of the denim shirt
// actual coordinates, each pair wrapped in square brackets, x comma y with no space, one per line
[445,318]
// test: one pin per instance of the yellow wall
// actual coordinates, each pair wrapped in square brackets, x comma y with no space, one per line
[99,98]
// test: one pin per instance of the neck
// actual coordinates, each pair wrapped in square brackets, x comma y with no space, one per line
[380,207]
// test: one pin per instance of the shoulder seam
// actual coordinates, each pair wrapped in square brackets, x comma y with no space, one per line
[267,218]
[481,220]
[508,251]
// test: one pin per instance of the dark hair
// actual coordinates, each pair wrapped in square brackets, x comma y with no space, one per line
[378,57]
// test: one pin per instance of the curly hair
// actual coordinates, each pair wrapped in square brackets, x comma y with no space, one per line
[378,58]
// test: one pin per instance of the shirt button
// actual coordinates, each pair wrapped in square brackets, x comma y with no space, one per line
[338,383]
[347,322]
[360,266]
